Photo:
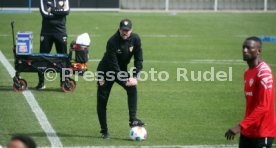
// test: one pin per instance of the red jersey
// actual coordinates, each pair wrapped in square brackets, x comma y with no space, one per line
[260,116]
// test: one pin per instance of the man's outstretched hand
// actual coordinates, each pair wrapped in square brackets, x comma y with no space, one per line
[131,82]
[230,133]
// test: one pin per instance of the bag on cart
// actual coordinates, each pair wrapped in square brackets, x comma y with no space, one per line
[81,49]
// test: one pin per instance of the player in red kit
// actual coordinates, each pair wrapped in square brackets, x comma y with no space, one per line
[258,128]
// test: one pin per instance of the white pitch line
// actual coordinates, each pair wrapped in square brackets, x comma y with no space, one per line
[146,36]
[156,35]
[195,61]
[159,146]
[164,36]
[92,36]
[192,61]
[150,35]
[40,115]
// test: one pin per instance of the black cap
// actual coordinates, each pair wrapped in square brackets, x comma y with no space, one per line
[125,24]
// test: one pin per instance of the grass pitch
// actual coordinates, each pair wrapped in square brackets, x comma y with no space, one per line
[176,112]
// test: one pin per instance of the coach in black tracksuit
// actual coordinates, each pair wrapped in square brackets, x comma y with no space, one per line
[53,29]
[120,48]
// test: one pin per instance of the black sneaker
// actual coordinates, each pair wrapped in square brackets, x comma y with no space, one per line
[136,122]
[105,134]
[40,86]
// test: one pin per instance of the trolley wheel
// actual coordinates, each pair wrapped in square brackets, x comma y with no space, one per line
[73,81]
[20,85]
[68,86]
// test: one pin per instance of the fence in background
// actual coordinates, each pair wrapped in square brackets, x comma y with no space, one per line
[194,5]
[160,5]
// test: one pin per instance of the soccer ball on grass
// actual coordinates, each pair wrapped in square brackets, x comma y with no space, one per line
[138,133]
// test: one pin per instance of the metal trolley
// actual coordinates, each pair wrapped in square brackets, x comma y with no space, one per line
[49,63]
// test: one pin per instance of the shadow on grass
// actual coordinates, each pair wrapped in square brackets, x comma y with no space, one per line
[47,89]
[66,135]
[6,88]
[10,89]
[42,134]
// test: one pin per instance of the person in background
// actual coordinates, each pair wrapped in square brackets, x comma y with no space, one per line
[53,29]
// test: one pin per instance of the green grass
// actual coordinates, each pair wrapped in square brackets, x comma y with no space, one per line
[176,113]
[16,115]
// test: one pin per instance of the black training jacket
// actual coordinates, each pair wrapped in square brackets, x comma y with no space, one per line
[54,22]
[119,52]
